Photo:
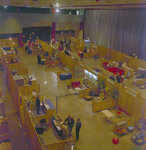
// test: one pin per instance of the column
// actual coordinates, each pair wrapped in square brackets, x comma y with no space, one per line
[53,28]
[20,40]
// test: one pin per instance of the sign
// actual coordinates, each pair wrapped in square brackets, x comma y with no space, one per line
[110,81]
[131,93]
[95,72]
[127,56]
[94,46]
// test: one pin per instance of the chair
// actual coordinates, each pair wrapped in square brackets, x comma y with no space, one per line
[48,65]
[43,124]
[130,128]
[53,64]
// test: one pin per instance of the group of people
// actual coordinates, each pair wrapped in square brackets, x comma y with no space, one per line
[70,122]
[65,45]
[119,78]
[28,47]
[85,51]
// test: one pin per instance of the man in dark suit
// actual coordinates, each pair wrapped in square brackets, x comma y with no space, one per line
[112,78]
[39,59]
[82,55]
[70,122]
[78,127]
[92,93]
[38,104]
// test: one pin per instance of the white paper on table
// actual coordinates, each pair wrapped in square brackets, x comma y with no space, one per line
[47,106]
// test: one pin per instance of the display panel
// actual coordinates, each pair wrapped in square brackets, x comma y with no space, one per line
[90,76]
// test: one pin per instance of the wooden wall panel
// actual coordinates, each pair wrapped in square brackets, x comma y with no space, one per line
[129,104]
[67,26]
[16,66]
[11,43]
[141,104]
[14,22]
[134,106]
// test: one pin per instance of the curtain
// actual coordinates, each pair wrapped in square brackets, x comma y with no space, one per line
[121,30]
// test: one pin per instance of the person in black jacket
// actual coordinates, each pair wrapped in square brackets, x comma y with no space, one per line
[70,122]
[39,59]
[92,93]
[112,77]
[82,55]
[26,48]
[78,127]
[38,104]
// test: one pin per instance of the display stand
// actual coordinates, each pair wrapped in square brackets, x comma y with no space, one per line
[121,128]
[139,137]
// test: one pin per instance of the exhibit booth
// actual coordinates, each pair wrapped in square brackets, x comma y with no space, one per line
[28,121]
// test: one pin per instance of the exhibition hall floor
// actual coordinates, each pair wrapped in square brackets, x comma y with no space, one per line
[95,134]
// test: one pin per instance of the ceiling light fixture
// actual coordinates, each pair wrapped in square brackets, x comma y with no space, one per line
[57,10]
[5,6]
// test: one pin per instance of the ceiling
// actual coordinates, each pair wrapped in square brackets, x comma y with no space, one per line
[78,4]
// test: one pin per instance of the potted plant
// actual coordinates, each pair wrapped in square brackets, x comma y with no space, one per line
[108,91]
[115,93]
[29,102]
[101,84]
[101,89]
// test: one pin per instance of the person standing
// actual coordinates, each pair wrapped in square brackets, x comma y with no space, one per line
[134,78]
[25,48]
[34,94]
[38,104]
[112,77]
[82,55]
[92,93]
[39,59]
[118,78]
[16,50]
[70,122]
[122,78]
[78,127]
[129,74]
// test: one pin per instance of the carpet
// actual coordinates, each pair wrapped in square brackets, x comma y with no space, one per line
[114,70]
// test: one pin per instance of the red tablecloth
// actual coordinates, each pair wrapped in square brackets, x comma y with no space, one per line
[79,54]
[115,70]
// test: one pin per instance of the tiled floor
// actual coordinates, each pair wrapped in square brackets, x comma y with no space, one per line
[96,133]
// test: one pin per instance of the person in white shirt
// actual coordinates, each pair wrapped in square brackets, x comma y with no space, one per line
[129,74]
[134,78]
[34,94]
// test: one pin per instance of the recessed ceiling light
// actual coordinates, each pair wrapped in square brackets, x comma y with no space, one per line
[5,6]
